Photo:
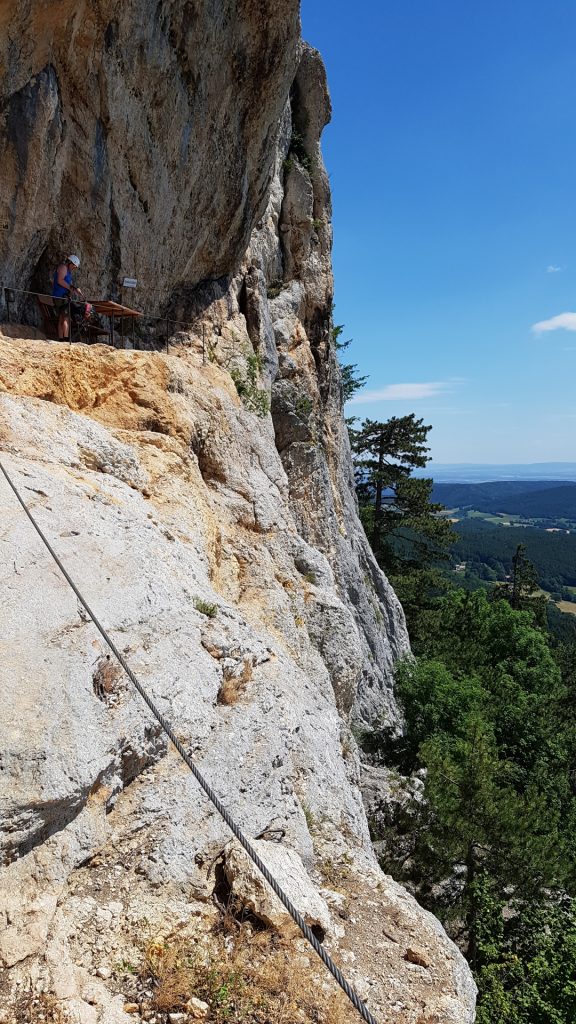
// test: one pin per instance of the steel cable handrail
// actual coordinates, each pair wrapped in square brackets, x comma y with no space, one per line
[146,316]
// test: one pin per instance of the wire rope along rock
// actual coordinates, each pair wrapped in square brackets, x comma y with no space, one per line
[205,785]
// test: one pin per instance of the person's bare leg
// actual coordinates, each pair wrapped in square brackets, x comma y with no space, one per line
[63,327]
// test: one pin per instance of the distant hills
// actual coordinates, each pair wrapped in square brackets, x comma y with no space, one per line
[531,499]
[491,518]
[476,472]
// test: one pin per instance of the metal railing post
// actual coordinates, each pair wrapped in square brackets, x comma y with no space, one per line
[69,319]
[167,349]
[9,297]
[203,342]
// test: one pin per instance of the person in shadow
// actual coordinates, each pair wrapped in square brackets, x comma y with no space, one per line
[63,289]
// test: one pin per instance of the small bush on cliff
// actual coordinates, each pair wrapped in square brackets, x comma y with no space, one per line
[274,288]
[205,607]
[303,407]
[350,382]
[253,397]
[298,150]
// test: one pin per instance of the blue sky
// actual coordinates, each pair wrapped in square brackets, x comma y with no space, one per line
[452,159]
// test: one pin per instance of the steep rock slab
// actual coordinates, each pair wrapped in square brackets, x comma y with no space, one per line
[154,556]
[148,528]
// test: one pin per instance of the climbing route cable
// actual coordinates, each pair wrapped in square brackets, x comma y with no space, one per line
[222,810]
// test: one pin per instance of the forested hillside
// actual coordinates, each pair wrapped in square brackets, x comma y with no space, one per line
[489,846]
[488,551]
[481,823]
[531,500]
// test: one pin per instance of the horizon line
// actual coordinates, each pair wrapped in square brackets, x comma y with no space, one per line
[549,462]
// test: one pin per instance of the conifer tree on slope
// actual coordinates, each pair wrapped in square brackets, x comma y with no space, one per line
[406,533]
[350,382]
[521,589]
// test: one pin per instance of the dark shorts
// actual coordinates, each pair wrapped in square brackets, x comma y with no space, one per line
[60,305]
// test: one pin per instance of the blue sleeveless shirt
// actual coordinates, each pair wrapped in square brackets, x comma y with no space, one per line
[57,290]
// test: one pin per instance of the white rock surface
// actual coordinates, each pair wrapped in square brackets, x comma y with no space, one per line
[165,520]
[251,892]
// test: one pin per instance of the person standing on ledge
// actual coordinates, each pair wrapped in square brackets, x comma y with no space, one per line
[63,289]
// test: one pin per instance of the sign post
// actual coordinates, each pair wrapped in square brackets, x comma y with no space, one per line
[128,282]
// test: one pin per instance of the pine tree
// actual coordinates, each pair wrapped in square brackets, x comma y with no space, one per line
[520,590]
[524,579]
[350,382]
[402,523]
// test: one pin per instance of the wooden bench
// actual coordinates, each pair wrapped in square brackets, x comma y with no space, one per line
[89,333]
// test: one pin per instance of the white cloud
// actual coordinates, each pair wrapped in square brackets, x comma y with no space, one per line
[552,269]
[562,322]
[402,392]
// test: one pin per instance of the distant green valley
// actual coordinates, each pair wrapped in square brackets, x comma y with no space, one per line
[491,519]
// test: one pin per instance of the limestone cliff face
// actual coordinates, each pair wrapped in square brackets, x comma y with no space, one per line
[168,500]
[180,142]
[292,249]
[140,133]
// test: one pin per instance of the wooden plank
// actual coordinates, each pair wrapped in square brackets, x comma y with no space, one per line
[106,307]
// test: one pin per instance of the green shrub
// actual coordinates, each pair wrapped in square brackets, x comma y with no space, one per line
[274,288]
[303,407]
[246,381]
[298,150]
[205,607]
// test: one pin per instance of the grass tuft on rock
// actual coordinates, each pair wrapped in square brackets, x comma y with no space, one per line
[244,977]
